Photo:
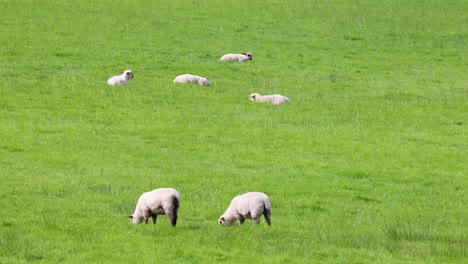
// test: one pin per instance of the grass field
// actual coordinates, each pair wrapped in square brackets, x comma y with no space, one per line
[366,165]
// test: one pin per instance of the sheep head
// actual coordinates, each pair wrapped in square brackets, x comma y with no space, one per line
[254,97]
[136,220]
[248,54]
[127,74]
[226,220]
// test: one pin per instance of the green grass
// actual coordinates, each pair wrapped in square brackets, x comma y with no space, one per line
[366,165]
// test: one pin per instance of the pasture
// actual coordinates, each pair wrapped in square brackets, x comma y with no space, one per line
[367,164]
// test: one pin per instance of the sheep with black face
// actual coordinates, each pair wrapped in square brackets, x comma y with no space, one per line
[237,57]
[121,79]
[162,201]
[273,99]
[193,79]
[251,205]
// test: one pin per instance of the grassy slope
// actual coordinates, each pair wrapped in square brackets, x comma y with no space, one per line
[366,164]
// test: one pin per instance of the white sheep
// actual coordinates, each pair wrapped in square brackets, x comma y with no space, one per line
[121,79]
[190,78]
[162,201]
[274,98]
[237,57]
[249,205]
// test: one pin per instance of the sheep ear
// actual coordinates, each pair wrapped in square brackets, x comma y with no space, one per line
[244,54]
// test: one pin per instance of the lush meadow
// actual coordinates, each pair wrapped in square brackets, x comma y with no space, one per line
[366,165]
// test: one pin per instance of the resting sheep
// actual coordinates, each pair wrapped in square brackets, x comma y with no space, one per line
[237,57]
[190,78]
[274,99]
[162,201]
[249,205]
[121,79]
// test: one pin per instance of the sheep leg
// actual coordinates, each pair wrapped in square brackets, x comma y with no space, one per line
[267,218]
[173,219]
[256,220]
[155,216]
[241,220]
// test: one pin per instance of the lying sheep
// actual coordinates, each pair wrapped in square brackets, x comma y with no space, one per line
[237,57]
[249,205]
[190,78]
[274,99]
[121,79]
[163,201]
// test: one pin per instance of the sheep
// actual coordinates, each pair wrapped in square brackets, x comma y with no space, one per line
[162,201]
[249,205]
[237,57]
[274,99]
[121,79]
[190,78]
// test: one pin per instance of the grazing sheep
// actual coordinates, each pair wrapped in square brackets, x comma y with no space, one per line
[190,78]
[163,201]
[249,205]
[121,79]
[274,99]
[237,57]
